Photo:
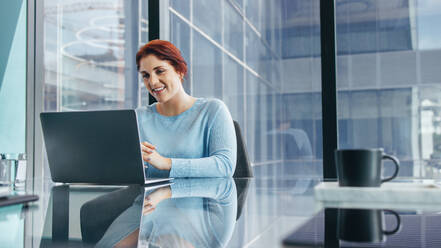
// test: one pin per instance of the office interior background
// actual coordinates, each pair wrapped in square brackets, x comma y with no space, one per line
[262,58]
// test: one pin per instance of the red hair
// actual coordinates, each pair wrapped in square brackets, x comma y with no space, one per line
[163,50]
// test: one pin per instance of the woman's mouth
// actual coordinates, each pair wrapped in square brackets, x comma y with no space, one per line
[158,91]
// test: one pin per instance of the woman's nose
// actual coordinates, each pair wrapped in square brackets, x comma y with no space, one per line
[153,80]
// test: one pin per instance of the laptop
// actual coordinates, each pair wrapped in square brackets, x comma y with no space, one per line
[94,147]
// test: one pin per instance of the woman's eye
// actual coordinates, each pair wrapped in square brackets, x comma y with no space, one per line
[159,71]
[145,76]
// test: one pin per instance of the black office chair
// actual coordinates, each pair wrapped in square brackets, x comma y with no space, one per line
[243,166]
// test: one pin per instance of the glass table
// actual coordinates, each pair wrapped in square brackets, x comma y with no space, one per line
[261,212]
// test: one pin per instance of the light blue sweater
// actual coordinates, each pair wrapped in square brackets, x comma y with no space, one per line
[201,141]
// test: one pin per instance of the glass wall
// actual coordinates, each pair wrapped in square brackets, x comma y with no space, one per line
[13,76]
[13,19]
[89,52]
[262,59]
[389,92]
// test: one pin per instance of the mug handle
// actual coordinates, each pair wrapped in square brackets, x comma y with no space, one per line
[398,227]
[397,167]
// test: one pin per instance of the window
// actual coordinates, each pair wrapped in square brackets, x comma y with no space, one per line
[13,77]
[388,81]
[263,62]
[89,52]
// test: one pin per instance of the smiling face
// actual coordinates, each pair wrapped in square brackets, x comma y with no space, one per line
[160,78]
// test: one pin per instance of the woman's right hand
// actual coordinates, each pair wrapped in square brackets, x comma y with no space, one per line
[153,199]
[151,156]
[146,150]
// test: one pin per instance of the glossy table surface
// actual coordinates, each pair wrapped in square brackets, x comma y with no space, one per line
[258,212]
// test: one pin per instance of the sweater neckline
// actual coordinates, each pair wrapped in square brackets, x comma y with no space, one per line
[198,100]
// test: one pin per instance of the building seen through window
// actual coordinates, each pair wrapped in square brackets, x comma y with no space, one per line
[262,58]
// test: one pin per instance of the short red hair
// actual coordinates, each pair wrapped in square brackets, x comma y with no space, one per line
[163,50]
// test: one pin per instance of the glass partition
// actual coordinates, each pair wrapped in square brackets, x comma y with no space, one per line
[262,58]
[88,51]
[13,53]
[13,76]
[388,81]
[88,55]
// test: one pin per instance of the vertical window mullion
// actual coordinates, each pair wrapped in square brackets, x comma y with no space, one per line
[153,28]
[329,89]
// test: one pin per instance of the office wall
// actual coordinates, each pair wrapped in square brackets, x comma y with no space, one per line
[87,58]
[387,78]
[388,86]
[12,76]
[235,50]
[262,58]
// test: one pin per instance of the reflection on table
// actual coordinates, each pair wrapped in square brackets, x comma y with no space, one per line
[358,227]
[185,213]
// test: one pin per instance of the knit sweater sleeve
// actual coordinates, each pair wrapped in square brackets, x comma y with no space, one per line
[221,143]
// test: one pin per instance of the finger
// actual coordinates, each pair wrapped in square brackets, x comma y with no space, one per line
[148,145]
[146,149]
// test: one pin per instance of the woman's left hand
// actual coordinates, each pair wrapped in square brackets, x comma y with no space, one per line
[151,156]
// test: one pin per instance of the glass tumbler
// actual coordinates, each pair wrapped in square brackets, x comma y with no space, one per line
[8,169]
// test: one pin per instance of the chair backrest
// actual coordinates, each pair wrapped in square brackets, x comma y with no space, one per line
[243,166]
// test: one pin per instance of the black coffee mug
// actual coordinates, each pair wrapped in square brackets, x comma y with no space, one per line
[362,167]
[361,225]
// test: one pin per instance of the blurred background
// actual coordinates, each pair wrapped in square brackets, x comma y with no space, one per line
[262,58]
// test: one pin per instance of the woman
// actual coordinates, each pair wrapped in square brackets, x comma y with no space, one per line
[182,136]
